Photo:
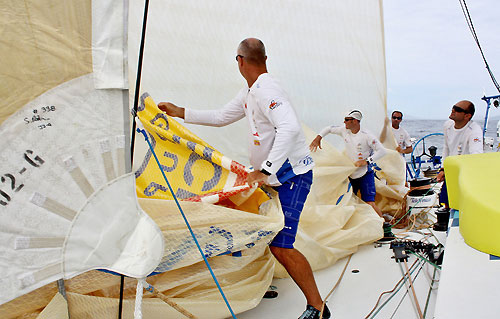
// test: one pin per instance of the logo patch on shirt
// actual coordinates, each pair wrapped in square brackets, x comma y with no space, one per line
[308,160]
[255,142]
[269,164]
[476,140]
[274,104]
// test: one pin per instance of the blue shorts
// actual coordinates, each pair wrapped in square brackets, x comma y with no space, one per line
[365,184]
[443,196]
[292,194]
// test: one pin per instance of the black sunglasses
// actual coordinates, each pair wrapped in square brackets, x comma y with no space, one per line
[239,55]
[459,109]
[347,119]
[397,118]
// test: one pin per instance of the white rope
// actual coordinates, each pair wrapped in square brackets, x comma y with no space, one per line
[138,298]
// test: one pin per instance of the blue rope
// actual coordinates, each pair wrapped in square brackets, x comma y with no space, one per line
[143,132]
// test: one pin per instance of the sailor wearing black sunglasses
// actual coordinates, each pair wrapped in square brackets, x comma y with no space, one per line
[401,135]
[461,136]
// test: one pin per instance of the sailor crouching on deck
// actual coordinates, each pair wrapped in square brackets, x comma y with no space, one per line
[363,148]
[278,152]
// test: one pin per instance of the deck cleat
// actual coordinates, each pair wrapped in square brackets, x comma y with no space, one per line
[271,293]
[388,234]
[443,217]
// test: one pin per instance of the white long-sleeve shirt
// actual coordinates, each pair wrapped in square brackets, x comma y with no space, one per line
[276,142]
[360,146]
[467,140]
[402,137]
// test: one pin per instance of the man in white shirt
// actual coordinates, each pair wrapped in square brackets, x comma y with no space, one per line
[401,135]
[278,153]
[363,148]
[461,136]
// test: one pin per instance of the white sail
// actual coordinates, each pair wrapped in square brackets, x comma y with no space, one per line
[329,55]
[67,204]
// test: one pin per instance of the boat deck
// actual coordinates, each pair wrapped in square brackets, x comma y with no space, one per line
[470,280]
[370,272]
[468,286]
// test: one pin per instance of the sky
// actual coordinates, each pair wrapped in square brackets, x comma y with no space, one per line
[432,61]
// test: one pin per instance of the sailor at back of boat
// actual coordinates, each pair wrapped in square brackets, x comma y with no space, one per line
[461,136]
[400,134]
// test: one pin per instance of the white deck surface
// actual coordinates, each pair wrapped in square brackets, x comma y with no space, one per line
[358,292]
[470,282]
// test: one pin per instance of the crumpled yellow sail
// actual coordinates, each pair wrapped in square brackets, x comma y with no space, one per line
[195,170]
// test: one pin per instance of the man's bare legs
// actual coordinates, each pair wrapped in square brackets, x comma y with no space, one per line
[377,210]
[300,270]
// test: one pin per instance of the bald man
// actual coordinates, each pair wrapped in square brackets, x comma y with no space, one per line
[278,153]
[461,136]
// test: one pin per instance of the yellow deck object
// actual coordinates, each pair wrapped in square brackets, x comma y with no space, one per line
[472,182]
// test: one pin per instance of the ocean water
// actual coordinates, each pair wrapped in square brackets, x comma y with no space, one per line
[420,128]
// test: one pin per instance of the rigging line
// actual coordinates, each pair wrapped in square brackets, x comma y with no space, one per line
[399,304]
[412,301]
[413,289]
[138,77]
[425,259]
[406,292]
[432,279]
[400,286]
[386,292]
[120,303]
[433,235]
[156,293]
[136,101]
[431,286]
[141,130]
[336,284]
[468,19]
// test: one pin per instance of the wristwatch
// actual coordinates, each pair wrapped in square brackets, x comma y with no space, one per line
[263,171]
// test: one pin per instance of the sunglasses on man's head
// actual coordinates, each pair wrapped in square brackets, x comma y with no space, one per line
[397,118]
[347,119]
[459,109]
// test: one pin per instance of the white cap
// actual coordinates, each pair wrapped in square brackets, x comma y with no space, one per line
[354,114]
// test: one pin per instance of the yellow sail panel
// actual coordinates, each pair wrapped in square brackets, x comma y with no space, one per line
[196,171]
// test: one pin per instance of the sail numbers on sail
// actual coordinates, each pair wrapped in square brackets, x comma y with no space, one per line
[10,179]
[38,116]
